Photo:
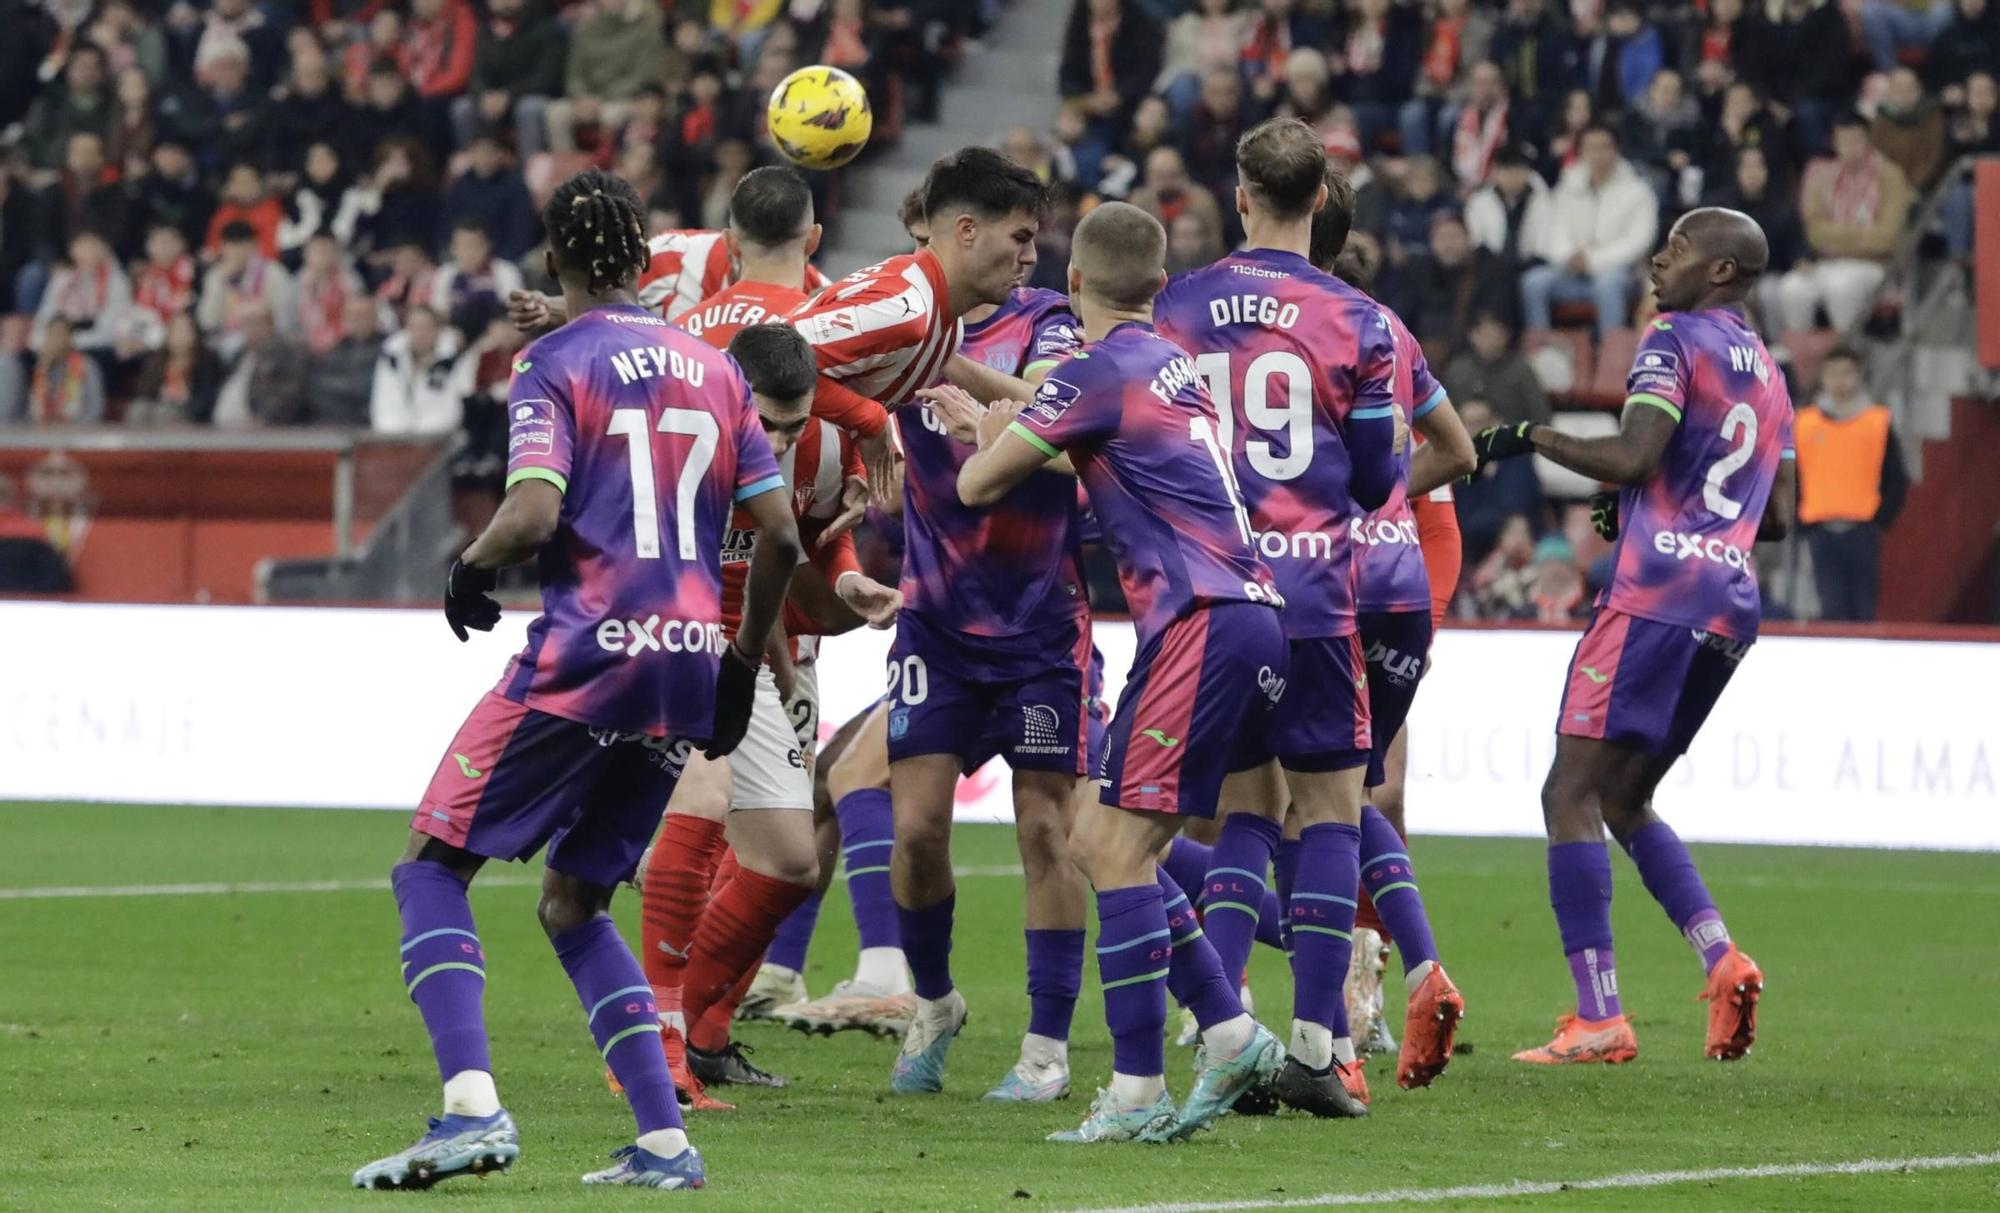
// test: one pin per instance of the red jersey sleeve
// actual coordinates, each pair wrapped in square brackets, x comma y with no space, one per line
[1444,551]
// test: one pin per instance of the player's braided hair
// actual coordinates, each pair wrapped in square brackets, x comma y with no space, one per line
[595,225]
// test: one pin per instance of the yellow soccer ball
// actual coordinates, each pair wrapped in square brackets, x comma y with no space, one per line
[819,117]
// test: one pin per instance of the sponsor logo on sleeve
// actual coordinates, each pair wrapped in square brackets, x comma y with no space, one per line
[1655,370]
[1051,401]
[1058,339]
[531,428]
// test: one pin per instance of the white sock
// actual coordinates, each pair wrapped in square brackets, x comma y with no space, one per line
[1044,1052]
[1138,1090]
[940,1008]
[883,969]
[470,1093]
[664,1142]
[1343,1050]
[1312,1044]
[1229,1036]
[1415,977]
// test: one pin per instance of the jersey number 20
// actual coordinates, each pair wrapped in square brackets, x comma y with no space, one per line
[645,496]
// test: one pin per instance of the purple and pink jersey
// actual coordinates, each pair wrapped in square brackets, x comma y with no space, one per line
[1685,535]
[652,438]
[1301,367]
[1389,560]
[1014,568]
[1138,424]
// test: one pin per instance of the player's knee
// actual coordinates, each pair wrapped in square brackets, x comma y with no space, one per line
[561,909]
[854,771]
[1043,842]
[923,839]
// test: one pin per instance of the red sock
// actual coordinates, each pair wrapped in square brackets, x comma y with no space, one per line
[725,871]
[672,899]
[1365,916]
[733,935]
[712,1033]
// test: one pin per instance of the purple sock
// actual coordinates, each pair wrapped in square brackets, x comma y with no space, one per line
[1196,977]
[1285,871]
[624,1020]
[444,969]
[1187,862]
[1133,947]
[926,934]
[1392,884]
[1670,876]
[867,831]
[1322,904]
[795,935]
[1580,892]
[1232,896]
[1055,979]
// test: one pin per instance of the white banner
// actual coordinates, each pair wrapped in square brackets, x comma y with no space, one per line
[1863,742]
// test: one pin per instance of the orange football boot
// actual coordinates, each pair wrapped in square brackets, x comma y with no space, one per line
[693,1096]
[1429,1028]
[1353,1079]
[1734,986]
[1582,1041]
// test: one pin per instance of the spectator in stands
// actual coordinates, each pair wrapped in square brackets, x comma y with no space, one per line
[1454,45]
[1851,487]
[164,286]
[1418,197]
[83,105]
[266,380]
[238,24]
[24,53]
[1908,128]
[1278,28]
[1495,495]
[615,50]
[224,117]
[1969,43]
[389,112]
[341,378]
[326,282]
[1208,36]
[1152,127]
[1191,243]
[20,238]
[1307,87]
[1376,59]
[85,197]
[1602,224]
[1503,581]
[246,201]
[91,293]
[177,382]
[1751,190]
[1111,56]
[1048,161]
[1208,137]
[133,128]
[473,286]
[242,279]
[517,69]
[1800,53]
[1893,26]
[313,202]
[395,205]
[64,386]
[420,379]
[438,48]
[1509,215]
[129,39]
[1720,42]
[1565,143]
[1661,132]
[408,284]
[1620,56]
[1167,193]
[382,42]
[1744,121]
[1479,128]
[491,193]
[1537,56]
[1854,204]
[306,110]
[1974,131]
[1491,370]
[1441,289]
[173,193]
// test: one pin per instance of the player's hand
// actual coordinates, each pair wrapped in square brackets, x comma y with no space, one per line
[1497,442]
[468,601]
[885,468]
[531,311]
[735,694]
[997,419]
[1604,514]
[1402,442]
[854,498]
[870,599]
[956,410]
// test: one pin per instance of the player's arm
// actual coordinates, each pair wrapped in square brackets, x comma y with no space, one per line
[1781,512]
[540,438]
[1630,456]
[1371,432]
[986,384]
[1443,546]
[524,522]
[777,555]
[535,313]
[1446,452]
[1008,454]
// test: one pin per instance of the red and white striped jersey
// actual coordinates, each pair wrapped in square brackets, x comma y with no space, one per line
[816,467]
[885,331]
[683,268]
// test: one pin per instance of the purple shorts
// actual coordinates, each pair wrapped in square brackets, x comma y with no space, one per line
[1645,685]
[1322,725]
[1199,692]
[516,780]
[975,697]
[1398,648]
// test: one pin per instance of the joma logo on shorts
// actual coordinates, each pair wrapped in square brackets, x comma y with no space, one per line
[654,635]
[1703,547]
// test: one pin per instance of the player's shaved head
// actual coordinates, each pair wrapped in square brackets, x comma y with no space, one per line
[1720,234]
[771,206]
[1118,256]
[1713,258]
[1282,164]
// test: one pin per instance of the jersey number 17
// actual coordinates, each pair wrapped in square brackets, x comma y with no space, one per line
[645,496]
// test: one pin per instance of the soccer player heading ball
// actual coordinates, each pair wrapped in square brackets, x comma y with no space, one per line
[1704,458]
[629,443]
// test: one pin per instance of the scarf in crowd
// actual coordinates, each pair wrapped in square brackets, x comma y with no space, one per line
[1365,46]
[1102,34]
[1475,141]
[400,291]
[1441,59]
[166,291]
[1857,192]
[322,300]
[84,294]
[1269,44]
[247,287]
[54,399]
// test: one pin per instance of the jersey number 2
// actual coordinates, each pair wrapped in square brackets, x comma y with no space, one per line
[645,496]
[1739,425]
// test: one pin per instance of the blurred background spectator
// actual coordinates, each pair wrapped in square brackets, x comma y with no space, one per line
[1851,487]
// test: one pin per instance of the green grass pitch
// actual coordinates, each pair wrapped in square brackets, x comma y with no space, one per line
[246,1051]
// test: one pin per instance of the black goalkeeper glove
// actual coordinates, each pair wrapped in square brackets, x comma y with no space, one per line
[1497,442]
[467,599]
[735,693]
[1604,514]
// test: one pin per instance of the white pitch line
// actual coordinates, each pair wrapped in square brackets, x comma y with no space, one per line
[218,888]
[1521,1187]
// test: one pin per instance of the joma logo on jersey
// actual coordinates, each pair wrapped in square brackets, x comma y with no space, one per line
[1703,547]
[1379,531]
[1298,545]
[654,635]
